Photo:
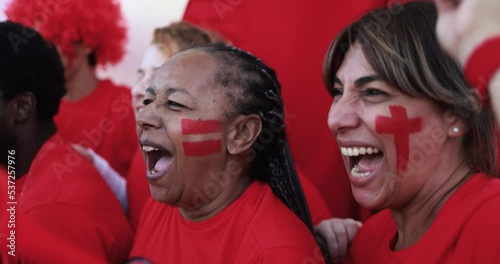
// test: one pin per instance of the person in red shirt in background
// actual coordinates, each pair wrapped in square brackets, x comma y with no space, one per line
[88,33]
[467,30]
[63,200]
[224,185]
[419,143]
[477,34]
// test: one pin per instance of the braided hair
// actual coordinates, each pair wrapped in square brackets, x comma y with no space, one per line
[259,92]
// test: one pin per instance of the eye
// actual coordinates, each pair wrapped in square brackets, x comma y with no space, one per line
[335,92]
[373,92]
[140,75]
[374,95]
[147,101]
[172,105]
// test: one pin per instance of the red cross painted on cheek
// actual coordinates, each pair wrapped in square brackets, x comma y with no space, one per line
[201,127]
[401,127]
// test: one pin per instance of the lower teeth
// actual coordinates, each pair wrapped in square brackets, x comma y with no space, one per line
[154,171]
[356,173]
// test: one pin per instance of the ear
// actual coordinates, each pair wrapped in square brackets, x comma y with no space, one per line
[81,50]
[245,130]
[455,125]
[87,50]
[23,107]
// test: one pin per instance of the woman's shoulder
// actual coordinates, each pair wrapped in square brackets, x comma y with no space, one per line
[481,198]
[273,226]
[479,191]
[479,238]
[378,227]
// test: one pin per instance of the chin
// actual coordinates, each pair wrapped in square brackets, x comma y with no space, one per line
[368,200]
[160,194]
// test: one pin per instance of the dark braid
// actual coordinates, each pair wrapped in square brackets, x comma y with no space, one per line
[260,93]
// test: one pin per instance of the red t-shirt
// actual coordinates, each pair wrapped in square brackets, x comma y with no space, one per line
[137,188]
[256,228]
[103,121]
[465,230]
[65,196]
[317,206]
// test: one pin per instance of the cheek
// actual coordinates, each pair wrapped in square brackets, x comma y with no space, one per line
[400,126]
[138,130]
[202,148]
[209,131]
[330,120]
[141,85]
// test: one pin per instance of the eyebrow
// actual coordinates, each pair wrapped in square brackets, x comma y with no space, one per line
[168,92]
[366,79]
[141,70]
[172,90]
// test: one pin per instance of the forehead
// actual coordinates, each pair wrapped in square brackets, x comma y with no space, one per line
[186,70]
[354,65]
[154,57]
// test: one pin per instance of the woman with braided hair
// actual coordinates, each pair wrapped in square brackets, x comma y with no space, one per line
[225,190]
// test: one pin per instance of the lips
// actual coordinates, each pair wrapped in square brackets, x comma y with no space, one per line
[158,161]
[362,161]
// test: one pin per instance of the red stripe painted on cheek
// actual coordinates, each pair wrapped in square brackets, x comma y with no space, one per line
[202,148]
[193,127]
[401,127]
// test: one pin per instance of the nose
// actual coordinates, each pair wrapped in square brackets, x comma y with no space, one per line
[342,117]
[138,91]
[147,119]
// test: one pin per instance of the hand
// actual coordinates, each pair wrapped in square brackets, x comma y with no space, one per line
[338,233]
[83,151]
[464,24]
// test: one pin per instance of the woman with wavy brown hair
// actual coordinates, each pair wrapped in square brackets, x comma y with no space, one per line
[417,142]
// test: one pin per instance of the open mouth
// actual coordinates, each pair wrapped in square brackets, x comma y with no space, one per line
[157,161]
[363,160]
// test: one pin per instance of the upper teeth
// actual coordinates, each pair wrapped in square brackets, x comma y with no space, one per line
[354,151]
[148,148]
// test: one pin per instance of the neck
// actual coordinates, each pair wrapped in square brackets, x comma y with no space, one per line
[82,83]
[414,219]
[228,194]
[28,146]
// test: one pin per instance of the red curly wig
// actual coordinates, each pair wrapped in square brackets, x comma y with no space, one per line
[97,24]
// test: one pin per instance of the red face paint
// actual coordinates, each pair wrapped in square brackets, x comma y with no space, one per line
[201,127]
[401,127]
[194,127]
[202,148]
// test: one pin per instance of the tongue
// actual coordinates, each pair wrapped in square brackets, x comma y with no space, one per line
[163,163]
[370,162]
